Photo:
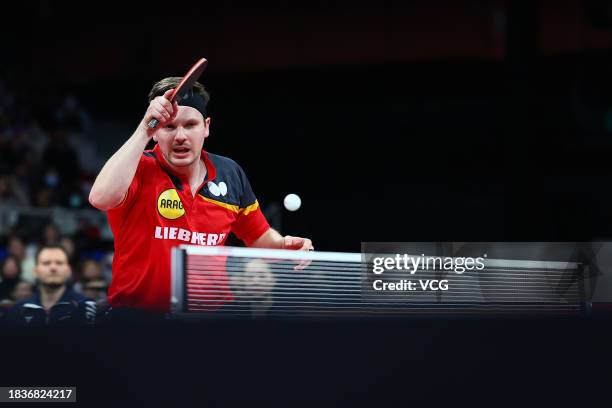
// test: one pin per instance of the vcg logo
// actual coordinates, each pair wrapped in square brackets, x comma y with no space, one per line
[169,205]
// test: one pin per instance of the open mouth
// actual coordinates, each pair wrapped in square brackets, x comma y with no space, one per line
[180,150]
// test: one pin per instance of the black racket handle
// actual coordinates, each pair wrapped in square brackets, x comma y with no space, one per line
[153,123]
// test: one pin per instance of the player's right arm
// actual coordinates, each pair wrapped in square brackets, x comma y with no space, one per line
[112,184]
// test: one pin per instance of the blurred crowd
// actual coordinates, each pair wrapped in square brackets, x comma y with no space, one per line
[39,163]
[47,160]
[91,270]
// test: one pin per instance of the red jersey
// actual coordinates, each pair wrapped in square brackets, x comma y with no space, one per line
[160,212]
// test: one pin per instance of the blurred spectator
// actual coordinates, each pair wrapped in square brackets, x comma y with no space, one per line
[254,286]
[97,291]
[17,248]
[90,271]
[51,235]
[87,236]
[11,192]
[45,197]
[26,174]
[72,117]
[22,291]
[11,274]
[68,244]
[61,161]
[14,149]
[53,303]
[93,285]
[59,155]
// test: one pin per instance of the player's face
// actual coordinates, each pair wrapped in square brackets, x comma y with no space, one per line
[52,267]
[181,140]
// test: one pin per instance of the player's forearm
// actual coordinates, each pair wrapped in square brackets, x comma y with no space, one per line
[269,239]
[115,178]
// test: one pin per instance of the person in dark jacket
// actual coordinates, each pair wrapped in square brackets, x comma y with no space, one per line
[53,303]
[10,274]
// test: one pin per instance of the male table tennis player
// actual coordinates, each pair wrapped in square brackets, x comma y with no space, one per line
[176,193]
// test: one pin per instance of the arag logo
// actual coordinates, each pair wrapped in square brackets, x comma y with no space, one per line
[169,205]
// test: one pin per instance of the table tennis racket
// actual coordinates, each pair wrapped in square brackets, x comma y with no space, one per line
[190,78]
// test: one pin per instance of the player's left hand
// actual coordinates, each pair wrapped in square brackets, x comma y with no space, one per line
[298,244]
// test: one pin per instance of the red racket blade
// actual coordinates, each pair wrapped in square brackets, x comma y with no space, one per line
[190,78]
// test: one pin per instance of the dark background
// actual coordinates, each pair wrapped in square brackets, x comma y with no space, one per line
[406,121]
[395,121]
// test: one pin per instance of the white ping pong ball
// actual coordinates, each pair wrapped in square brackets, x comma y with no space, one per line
[292,202]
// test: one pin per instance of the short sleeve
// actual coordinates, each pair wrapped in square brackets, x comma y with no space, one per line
[132,193]
[250,223]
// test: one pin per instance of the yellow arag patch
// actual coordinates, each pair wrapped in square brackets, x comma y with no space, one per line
[169,205]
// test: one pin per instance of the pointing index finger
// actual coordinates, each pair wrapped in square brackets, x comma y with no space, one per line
[169,94]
